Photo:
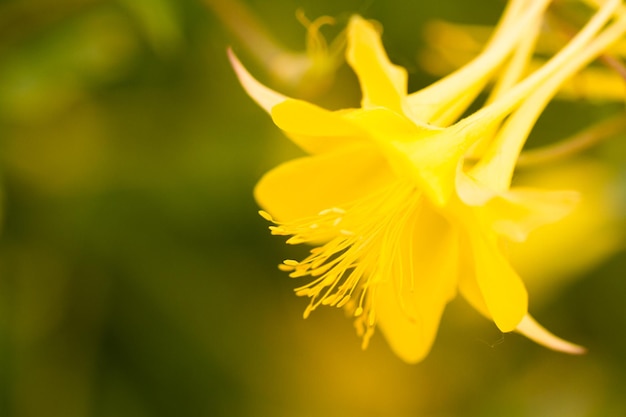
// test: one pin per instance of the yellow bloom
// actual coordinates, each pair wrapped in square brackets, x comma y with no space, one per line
[399,222]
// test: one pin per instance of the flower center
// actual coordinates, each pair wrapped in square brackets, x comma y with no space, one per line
[356,246]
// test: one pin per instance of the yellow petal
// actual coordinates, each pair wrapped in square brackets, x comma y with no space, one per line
[383,84]
[535,332]
[388,126]
[396,135]
[502,289]
[303,187]
[315,129]
[410,303]
[264,96]
[468,286]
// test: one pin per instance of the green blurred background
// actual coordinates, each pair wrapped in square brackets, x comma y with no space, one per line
[137,279]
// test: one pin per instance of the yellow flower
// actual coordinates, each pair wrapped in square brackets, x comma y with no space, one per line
[398,219]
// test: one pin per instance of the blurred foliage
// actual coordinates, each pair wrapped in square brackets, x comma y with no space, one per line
[136,278]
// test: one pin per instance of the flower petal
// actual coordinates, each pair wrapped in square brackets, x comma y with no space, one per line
[382,83]
[396,136]
[303,187]
[315,129]
[264,96]
[501,288]
[468,285]
[410,303]
[429,155]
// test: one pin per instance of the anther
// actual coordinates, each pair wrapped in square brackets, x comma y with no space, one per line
[285,268]
[266,216]
[343,301]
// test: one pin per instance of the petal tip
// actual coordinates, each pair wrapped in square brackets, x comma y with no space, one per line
[264,96]
[537,333]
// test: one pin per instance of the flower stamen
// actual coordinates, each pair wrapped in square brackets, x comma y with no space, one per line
[359,247]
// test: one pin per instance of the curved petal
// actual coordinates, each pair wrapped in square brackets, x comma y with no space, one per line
[409,304]
[264,96]
[468,285]
[502,289]
[314,129]
[382,83]
[305,186]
